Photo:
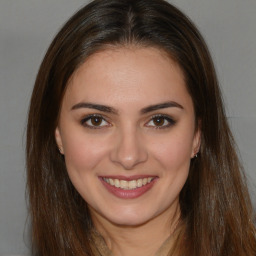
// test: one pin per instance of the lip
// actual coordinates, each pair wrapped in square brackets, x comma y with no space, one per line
[128,178]
[129,194]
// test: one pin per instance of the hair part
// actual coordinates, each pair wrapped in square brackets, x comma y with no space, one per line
[216,210]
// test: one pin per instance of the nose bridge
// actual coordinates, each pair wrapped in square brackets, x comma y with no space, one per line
[129,150]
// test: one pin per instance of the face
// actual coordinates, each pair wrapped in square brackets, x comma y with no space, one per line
[127,131]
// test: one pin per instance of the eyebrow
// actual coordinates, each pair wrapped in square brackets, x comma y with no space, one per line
[99,107]
[108,109]
[169,104]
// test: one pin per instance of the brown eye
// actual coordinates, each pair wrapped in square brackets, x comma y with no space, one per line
[94,121]
[160,121]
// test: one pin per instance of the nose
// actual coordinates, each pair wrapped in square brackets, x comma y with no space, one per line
[128,149]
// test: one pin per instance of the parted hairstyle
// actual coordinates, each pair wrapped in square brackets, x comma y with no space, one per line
[216,211]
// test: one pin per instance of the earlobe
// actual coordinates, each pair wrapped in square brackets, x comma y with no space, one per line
[59,140]
[196,143]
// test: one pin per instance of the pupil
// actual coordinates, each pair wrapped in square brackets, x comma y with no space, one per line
[159,121]
[96,121]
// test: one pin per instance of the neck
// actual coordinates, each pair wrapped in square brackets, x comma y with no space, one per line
[144,239]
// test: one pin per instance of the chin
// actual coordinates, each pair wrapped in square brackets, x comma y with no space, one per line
[130,220]
[128,216]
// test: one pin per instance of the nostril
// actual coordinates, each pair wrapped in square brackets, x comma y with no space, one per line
[129,157]
[128,149]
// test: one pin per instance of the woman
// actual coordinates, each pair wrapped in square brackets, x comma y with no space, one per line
[128,148]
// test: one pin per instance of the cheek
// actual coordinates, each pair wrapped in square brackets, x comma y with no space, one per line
[83,153]
[174,152]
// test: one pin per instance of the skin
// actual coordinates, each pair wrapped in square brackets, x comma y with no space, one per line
[129,141]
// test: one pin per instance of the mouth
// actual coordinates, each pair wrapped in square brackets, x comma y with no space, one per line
[128,184]
[129,187]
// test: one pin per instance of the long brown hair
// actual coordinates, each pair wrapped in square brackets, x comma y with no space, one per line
[216,212]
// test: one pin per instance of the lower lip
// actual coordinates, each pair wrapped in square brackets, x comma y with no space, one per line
[128,194]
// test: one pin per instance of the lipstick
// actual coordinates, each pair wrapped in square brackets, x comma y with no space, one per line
[128,187]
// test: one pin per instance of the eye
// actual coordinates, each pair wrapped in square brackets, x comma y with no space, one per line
[160,121]
[94,122]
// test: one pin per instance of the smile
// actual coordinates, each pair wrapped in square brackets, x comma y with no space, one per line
[128,185]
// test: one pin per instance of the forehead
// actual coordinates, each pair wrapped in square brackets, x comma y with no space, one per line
[126,73]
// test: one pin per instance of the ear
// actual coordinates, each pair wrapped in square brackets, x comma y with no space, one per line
[196,142]
[59,140]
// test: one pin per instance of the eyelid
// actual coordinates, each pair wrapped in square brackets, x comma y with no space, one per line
[171,121]
[89,116]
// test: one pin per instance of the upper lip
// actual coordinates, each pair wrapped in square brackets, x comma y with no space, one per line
[128,178]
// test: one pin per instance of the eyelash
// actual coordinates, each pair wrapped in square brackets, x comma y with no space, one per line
[165,118]
[90,117]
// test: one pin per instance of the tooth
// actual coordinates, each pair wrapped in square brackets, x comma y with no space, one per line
[144,181]
[132,184]
[139,183]
[124,184]
[117,183]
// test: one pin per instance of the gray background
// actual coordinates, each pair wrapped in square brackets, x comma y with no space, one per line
[26,29]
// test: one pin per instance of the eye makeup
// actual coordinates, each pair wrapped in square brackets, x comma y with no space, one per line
[95,121]
[160,121]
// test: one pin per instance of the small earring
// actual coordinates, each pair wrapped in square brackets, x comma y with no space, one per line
[196,155]
[60,150]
